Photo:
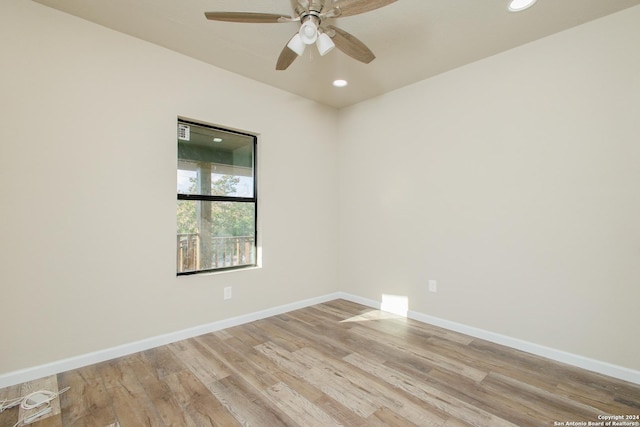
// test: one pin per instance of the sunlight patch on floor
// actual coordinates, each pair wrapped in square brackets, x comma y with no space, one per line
[392,307]
[372,315]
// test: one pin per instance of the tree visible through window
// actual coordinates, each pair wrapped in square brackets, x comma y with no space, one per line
[217,204]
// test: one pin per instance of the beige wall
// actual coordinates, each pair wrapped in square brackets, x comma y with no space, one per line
[515,183]
[87,178]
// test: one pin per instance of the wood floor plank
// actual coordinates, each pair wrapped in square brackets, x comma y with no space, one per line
[429,357]
[241,363]
[464,353]
[341,390]
[246,405]
[386,417]
[336,339]
[335,363]
[341,413]
[278,334]
[223,334]
[536,394]
[454,422]
[430,395]
[510,361]
[134,409]
[525,406]
[330,383]
[263,373]
[9,417]
[199,360]
[259,335]
[202,408]
[594,389]
[165,404]
[429,332]
[329,313]
[501,403]
[301,410]
[383,394]
[114,375]
[247,334]
[96,404]
[163,361]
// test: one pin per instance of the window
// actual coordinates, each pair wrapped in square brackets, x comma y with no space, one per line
[217,203]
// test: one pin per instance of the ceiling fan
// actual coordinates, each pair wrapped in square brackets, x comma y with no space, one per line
[310,14]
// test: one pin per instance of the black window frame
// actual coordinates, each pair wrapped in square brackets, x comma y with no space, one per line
[234,199]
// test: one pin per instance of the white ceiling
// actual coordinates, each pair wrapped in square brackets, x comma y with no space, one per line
[412,39]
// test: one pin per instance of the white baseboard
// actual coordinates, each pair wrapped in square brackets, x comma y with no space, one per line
[593,365]
[29,374]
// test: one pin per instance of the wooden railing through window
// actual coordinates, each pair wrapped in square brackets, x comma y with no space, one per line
[188,252]
[225,252]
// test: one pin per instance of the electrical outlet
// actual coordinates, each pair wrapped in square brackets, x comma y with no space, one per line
[227,292]
[433,286]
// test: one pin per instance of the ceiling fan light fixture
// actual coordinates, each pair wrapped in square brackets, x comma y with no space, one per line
[310,14]
[324,44]
[520,5]
[297,45]
[308,32]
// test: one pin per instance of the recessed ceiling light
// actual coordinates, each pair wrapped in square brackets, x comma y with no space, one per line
[217,139]
[340,83]
[519,5]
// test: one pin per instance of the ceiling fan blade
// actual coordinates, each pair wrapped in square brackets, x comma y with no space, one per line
[355,7]
[350,45]
[249,17]
[286,58]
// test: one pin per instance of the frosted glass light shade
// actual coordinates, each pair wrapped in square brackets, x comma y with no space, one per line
[324,44]
[297,45]
[308,32]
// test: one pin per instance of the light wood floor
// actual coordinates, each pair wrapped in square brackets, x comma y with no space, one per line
[337,363]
